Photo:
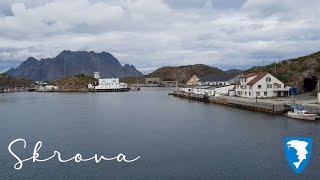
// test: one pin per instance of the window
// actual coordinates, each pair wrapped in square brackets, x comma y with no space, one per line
[269,85]
[268,79]
[276,85]
[258,93]
[245,93]
[249,93]
[265,94]
[259,86]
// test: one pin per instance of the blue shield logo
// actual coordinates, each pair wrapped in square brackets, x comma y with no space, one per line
[298,152]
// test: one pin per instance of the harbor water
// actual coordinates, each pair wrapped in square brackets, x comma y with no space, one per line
[175,138]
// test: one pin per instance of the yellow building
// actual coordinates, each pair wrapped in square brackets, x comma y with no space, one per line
[193,81]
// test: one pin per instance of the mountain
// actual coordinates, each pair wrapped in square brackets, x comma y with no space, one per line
[301,72]
[69,63]
[184,73]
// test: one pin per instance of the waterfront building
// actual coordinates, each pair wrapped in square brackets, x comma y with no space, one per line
[200,90]
[260,85]
[193,81]
[48,88]
[224,90]
[214,80]
[153,80]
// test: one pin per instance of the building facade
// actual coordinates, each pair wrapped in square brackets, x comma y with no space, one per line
[153,80]
[260,85]
[214,80]
[193,80]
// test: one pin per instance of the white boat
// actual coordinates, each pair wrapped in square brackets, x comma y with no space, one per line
[299,112]
[109,85]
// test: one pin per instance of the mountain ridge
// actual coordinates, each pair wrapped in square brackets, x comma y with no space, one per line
[70,63]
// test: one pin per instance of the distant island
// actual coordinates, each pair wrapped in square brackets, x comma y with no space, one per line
[69,63]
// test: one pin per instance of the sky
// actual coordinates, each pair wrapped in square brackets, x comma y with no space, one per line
[154,33]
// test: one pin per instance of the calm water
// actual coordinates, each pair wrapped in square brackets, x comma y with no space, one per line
[176,138]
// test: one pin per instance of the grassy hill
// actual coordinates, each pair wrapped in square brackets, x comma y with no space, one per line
[11,82]
[77,83]
[184,73]
[293,72]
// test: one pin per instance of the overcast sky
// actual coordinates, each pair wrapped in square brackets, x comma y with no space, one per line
[154,33]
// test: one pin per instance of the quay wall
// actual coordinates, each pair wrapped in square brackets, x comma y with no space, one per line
[312,108]
[242,103]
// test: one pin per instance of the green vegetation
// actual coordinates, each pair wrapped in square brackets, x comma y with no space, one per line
[184,73]
[11,82]
[293,71]
[78,83]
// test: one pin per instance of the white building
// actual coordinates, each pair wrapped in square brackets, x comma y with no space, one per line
[96,75]
[199,90]
[214,80]
[224,91]
[209,90]
[260,85]
[48,88]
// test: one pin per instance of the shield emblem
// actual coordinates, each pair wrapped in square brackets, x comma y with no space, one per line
[298,152]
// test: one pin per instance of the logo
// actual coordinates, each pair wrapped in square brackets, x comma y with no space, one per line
[298,152]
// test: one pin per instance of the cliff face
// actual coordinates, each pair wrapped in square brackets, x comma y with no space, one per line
[69,63]
[299,72]
[184,73]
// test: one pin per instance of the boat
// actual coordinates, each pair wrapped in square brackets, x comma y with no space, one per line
[134,88]
[299,112]
[32,89]
[109,85]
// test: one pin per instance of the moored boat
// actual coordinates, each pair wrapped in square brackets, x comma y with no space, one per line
[108,85]
[299,112]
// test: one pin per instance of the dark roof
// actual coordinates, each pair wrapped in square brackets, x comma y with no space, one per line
[214,77]
[256,79]
[248,75]
[235,80]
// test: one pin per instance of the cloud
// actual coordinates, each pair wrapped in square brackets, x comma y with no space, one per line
[150,34]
